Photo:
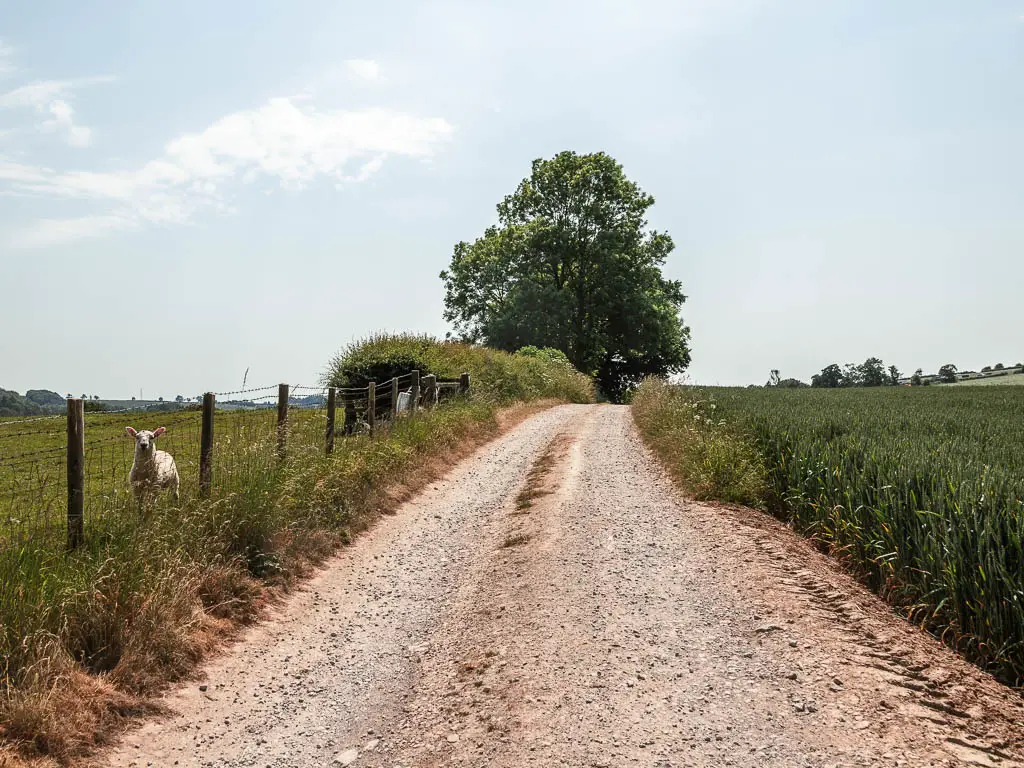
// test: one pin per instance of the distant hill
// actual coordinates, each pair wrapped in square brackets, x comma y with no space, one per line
[35,402]
[43,402]
[45,398]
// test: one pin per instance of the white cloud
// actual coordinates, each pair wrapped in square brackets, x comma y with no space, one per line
[51,97]
[288,143]
[364,69]
[20,173]
[63,120]
[40,93]
[33,95]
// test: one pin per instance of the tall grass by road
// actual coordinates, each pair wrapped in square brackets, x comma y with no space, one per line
[86,638]
[920,490]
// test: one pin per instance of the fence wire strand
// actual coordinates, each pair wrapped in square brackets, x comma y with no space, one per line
[247,442]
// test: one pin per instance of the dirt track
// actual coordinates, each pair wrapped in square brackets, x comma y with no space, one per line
[603,622]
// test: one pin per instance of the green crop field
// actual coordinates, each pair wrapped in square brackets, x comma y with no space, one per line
[921,490]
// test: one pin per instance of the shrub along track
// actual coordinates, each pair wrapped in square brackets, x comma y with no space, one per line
[582,614]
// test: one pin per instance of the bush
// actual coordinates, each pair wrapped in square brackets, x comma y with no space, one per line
[497,377]
[548,354]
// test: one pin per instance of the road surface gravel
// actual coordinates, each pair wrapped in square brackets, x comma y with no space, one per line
[598,620]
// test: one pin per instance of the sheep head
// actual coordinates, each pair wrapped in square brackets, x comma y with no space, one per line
[145,443]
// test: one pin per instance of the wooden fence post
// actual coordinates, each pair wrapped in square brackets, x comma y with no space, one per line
[282,419]
[332,404]
[348,401]
[371,406]
[415,404]
[76,472]
[429,390]
[394,399]
[206,445]
[464,384]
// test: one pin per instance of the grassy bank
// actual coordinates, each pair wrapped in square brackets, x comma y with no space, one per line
[920,491]
[86,639]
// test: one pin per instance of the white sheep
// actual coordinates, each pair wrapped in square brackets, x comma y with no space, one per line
[152,470]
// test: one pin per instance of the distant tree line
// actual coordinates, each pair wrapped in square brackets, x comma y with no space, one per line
[35,402]
[43,402]
[874,373]
[775,380]
[871,373]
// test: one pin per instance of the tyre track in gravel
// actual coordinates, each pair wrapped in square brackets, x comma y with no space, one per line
[606,622]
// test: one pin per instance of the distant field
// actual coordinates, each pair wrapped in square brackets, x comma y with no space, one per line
[921,489]
[1011,379]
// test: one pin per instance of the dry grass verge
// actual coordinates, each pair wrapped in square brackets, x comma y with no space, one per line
[704,454]
[98,634]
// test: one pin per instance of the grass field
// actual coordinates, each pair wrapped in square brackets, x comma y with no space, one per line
[920,490]
[33,482]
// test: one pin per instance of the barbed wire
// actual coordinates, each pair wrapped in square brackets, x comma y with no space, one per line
[145,409]
[246,391]
[32,434]
[35,418]
[58,449]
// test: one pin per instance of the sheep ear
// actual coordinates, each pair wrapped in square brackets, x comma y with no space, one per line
[130,431]
[159,431]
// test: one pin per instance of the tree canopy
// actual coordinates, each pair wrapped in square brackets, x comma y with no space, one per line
[871,373]
[831,377]
[947,373]
[13,404]
[572,265]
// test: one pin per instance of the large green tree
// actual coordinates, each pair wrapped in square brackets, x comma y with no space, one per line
[831,377]
[872,372]
[572,265]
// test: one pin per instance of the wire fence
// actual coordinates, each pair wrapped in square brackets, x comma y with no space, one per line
[220,447]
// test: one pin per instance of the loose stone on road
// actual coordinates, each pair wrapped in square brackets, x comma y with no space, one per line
[553,601]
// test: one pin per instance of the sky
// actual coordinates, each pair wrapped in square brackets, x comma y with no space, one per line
[192,190]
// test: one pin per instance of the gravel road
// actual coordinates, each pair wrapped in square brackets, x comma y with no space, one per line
[553,601]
